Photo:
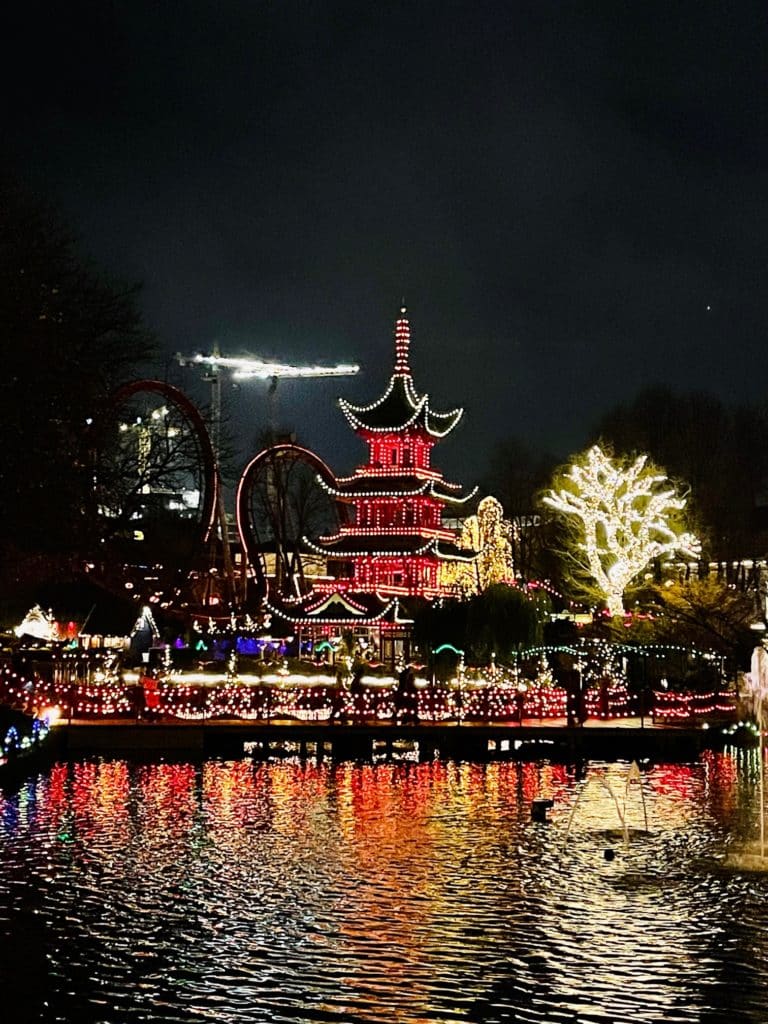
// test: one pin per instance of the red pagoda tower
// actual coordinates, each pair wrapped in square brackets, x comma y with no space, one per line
[395,542]
[393,547]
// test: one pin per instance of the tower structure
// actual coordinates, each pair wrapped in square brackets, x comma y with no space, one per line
[395,540]
[391,548]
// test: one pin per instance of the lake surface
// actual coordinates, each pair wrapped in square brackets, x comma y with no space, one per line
[423,893]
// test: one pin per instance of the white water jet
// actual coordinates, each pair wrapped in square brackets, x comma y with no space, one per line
[633,777]
[757,687]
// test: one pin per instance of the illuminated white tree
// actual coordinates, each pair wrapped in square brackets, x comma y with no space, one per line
[495,562]
[625,516]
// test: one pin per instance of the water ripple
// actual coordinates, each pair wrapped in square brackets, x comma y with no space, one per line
[420,893]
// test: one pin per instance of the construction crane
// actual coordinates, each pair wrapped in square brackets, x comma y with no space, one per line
[254,368]
[249,368]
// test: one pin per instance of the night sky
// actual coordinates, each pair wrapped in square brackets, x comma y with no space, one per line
[571,197]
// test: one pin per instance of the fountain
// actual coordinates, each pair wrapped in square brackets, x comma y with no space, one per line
[751,856]
[633,778]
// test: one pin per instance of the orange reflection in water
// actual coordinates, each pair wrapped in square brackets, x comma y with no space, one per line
[423,837]
[99,799]
[384,872]
[393,816]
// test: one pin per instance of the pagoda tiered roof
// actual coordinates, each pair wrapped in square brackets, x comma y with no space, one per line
[383,545]
[396,541]
[404,485]
[338,609]
[400,408]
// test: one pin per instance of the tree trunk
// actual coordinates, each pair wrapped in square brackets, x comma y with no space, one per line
[615,602]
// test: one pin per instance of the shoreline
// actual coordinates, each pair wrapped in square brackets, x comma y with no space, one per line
[628,739]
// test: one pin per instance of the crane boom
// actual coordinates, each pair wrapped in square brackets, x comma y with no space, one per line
[255,368]
[248,368]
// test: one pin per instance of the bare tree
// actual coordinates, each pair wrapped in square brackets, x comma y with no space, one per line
[622,518]
[287,504]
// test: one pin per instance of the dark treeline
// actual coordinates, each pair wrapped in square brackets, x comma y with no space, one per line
[715,454]
[69,336]
[516,476]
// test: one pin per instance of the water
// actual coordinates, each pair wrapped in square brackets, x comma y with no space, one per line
[419,893]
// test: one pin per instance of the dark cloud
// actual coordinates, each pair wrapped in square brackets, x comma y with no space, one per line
[570,196]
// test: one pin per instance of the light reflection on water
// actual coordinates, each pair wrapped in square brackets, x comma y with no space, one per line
[293,891]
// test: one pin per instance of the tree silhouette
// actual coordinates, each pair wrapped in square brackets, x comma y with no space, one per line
[69,336]
[516,475]
[148,473]
[287,504]
[720,452]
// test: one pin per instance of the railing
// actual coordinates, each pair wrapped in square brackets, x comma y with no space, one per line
[675,708]
[173,699]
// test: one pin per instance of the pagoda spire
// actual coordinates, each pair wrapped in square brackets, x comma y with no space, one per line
[402,343]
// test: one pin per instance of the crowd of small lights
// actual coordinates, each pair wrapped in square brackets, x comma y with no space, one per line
[491,694]
[669,706]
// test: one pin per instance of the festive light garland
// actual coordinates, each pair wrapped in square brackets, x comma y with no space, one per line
[370,470]
[494,694]
[625,520]
[421,413]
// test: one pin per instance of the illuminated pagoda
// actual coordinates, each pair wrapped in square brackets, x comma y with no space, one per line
[395,543]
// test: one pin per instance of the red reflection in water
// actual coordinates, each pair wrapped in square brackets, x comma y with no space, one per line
[678,779]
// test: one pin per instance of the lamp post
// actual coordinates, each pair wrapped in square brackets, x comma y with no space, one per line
[759,688]
[459,675]
[643,688]
[461,686]
[521,691]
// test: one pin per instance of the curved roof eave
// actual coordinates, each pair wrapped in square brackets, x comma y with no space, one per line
[304,617]
[342,494]
[358,424]
[433,425]
[453,499]
[409,393]
[430,546]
